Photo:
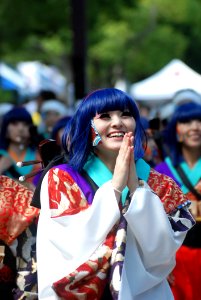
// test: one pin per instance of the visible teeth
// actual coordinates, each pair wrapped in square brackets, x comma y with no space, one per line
[117,135]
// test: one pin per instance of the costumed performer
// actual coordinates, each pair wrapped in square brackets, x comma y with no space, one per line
[109,225]
[183,164]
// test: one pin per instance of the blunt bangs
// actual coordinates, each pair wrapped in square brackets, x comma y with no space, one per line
[17,114]
[108,100]
[184,113]
[187,112]
[78,130]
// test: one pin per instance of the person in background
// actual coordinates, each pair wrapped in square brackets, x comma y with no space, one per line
[52,150]
[183,163]
[51,111]
[58,129]
[109,225]
[18,224]
[18,142]
[153,152]
[34,106]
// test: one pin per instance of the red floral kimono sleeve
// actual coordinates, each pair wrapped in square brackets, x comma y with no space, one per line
[16,214]
[167,190]
[65,196]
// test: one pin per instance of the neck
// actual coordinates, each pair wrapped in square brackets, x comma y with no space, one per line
[17,152]
[191,156]
[109,160]
[17,148]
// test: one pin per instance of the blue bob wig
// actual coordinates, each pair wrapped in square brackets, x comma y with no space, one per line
[184,113]
[13,115]
[76,139]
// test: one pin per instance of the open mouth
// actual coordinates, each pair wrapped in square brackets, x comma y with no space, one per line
[19,139]
[116,135]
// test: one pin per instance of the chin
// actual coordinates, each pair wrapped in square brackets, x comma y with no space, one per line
[115,149]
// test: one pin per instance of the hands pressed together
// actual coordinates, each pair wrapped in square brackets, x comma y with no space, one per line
[125,170]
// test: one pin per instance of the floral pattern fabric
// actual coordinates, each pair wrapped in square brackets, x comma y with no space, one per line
[89,279]
[16,214]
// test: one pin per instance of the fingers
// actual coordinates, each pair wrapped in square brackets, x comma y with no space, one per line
[124,145]
[124,151]
[132,175]
[124,161]
[121,170]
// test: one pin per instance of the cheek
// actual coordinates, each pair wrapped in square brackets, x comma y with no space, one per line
[99,126]
[27,132]
[11,130]
[131,125]
[180,129]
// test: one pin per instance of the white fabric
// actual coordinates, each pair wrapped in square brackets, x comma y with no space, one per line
[150,249]
[161,87]
[66,242]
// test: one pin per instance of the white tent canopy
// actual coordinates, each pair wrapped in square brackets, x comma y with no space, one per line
[161,86]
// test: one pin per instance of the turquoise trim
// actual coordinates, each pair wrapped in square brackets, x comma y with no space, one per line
[143,169]
[100,174]
[193,174]
[30,155]
[4,153]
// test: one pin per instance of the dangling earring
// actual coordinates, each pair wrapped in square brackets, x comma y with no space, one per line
[179,135]
[179,138]
[96,139]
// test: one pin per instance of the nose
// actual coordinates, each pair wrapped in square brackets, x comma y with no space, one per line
[20,126]
[116,121]
[195,124]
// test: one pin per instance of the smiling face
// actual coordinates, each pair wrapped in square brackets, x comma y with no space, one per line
[112,127]
[189,133]
[18,132]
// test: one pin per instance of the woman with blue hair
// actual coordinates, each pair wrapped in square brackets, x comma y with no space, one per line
[109,225]
[183,164]
[18,142]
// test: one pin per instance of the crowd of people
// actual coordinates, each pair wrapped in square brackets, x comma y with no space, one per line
[113,213]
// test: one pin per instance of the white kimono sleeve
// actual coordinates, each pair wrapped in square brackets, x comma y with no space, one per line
[64,243]
[150,248]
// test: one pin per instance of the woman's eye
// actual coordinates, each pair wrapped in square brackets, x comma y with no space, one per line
[104,116]
[126,114]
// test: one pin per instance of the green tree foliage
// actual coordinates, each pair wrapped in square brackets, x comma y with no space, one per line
[34,30]
[125,39]
[144,37]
